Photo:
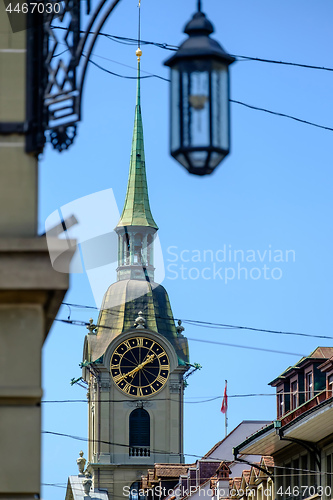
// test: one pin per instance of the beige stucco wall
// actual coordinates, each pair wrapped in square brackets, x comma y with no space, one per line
[18,186]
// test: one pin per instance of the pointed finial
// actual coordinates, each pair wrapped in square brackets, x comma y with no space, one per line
[140,321]
[138,53]
[180,327]
[199,5]
[91,327]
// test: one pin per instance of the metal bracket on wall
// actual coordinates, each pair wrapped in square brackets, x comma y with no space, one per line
[7,128]
[308,445]
[58,52]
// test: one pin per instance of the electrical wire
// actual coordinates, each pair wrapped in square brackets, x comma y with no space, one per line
[210,456]
[250,106]
[84,323]
[234,101]
[286,63]
[128,77]
[205,324]
[213,398]
[284,115]
[166,46]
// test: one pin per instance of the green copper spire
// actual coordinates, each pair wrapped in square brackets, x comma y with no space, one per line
[136,211]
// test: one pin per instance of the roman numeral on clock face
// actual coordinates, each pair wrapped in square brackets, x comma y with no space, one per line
[161,379]
[126,388]
[140,341]
[127,344]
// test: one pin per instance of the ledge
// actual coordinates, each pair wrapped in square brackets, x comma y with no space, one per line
[27,275]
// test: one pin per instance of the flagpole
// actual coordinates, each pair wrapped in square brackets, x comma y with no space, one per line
[226,414]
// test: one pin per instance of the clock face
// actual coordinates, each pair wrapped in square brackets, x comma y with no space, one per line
[140,367]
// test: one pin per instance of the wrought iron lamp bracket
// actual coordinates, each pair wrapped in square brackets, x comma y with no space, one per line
[58,52]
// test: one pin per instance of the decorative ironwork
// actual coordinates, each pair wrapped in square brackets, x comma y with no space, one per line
[65,44]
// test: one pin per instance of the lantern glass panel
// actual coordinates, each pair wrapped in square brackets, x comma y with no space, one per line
[198,159]
[182,160]
[175,118]
[215,159]
[196,109]
[220,107]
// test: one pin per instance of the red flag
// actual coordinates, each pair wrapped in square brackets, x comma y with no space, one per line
[224,406]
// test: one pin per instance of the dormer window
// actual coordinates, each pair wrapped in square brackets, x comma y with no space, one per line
[294,395]
[309,386]
[280,403]
[330,385]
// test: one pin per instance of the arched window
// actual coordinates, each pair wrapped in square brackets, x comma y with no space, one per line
[135,491]
[139,433]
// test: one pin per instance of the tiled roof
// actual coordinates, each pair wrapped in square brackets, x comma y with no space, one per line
[267,461]
[246,475]
[254,469]
[170,470]
[237,482]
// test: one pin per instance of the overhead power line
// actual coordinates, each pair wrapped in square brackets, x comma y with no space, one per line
[211,324]
[209,400]
[84,323]
[286,63]
[128,77]
[250,106]
[284,115]
[173,48]
[211,457]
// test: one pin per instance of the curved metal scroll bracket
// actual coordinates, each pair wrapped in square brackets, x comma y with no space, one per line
[308,445]
[68,41]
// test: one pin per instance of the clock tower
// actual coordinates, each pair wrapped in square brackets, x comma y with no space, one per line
[136,358]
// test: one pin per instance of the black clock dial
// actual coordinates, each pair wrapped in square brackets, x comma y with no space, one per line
[140,366]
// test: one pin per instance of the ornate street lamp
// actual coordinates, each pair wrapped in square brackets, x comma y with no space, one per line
[199,120]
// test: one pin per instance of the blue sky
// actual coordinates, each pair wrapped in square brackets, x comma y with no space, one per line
[273,192]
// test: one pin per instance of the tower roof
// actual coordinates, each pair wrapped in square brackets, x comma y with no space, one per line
[136,211]
[121,304]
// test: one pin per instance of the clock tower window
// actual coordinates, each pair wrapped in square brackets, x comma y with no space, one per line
[139,433]
[137,248]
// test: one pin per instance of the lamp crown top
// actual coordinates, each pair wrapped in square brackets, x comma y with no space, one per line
[199,25]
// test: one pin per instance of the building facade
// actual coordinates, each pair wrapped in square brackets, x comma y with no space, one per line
[301,438]
[216,475]
[31,291]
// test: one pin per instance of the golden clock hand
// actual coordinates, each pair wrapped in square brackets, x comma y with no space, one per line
[148,360]
[137,368]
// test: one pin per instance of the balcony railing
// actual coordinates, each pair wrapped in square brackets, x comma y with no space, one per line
[139,452]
